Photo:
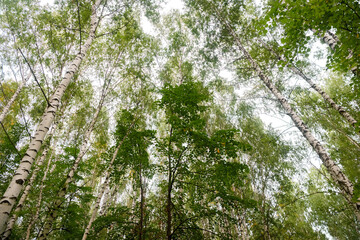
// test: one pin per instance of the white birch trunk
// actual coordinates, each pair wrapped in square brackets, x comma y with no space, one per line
[317,88]
[332,41]
[334,170]
[38,205]
[6,109]
[10,196]
[105,185]
[70,177]
[20,205]
[106,198]
[96,207]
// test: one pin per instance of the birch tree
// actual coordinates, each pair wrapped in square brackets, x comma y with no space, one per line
[163,131]
[335,21]
[342,111]
[10,196]
[227,23]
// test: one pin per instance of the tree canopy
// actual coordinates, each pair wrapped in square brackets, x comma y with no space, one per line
[207,119]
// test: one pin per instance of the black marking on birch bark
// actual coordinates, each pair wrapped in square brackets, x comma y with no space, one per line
[25,161]
[5,201]
[34,150]
[20,181]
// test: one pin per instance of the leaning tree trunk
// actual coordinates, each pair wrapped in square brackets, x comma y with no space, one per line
[39,200]
[334,170]
[317,88]
[332,41]
[6,109]
[105,185]
[27,189]
[52,215]
[96,207]
[12,192]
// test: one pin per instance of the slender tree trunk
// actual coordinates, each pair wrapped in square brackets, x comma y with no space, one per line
[11,194]
[141,221]
[334,170]
[168,197]
[6,109]
[325,96]
[96,207]
[105,185]
[38,205]
[168,211]
[108,194]
[27,189]
[52,215]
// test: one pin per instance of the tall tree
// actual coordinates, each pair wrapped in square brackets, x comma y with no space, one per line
[225,13]
[11,194]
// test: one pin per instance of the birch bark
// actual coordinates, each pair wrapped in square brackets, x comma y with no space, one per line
[52,215]
[317,88]
[6,109]
[332,41]
[27,190]
[38,205]
[10,196]
[334,170]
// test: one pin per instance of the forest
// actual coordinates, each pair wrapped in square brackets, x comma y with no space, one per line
[180,119]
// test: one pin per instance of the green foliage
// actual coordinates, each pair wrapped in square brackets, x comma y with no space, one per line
[340,17]
[194,156]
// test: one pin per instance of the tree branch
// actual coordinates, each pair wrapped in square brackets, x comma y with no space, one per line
[47,100]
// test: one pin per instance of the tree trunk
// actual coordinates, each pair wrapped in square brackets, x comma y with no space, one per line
[141,221]
[332,41]
[6,109]
[168,198]
[325,96]
[168,211]
[334,170]
[96,207]
[38,205]
[52,215]
[108,194]
[243,228]
[105,185]
[12,192]
[27,189]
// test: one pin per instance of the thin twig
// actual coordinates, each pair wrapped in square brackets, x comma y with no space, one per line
[12,143]
[35,77]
